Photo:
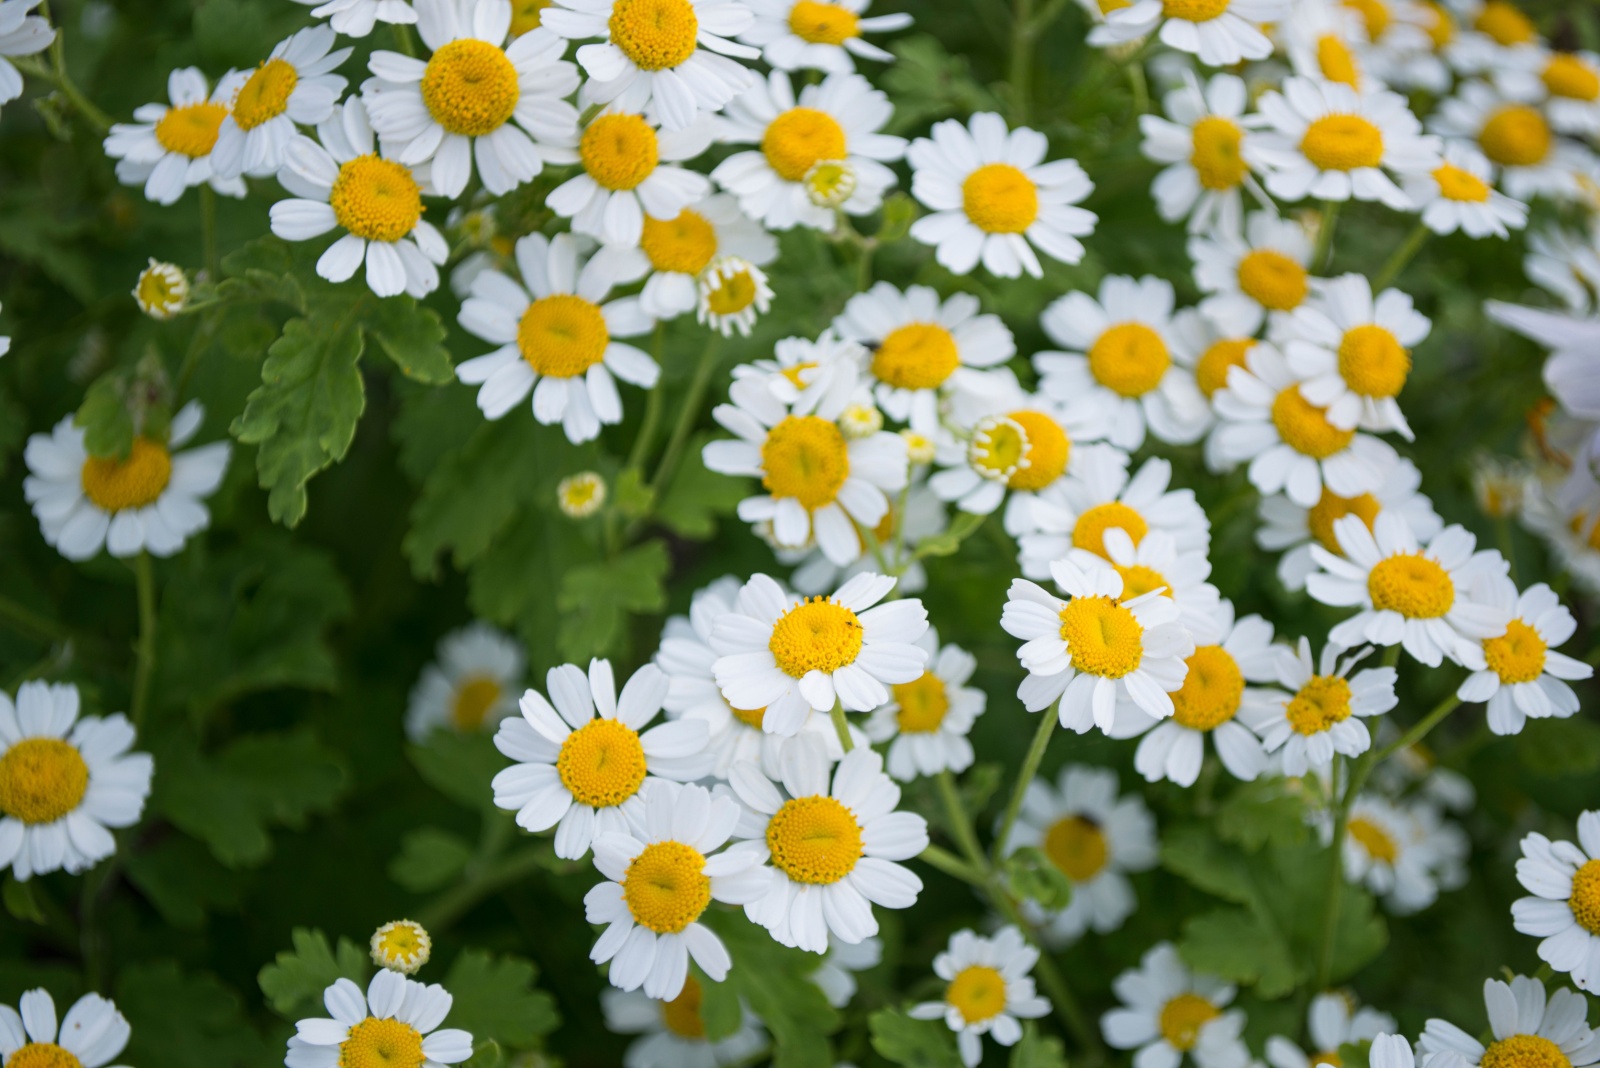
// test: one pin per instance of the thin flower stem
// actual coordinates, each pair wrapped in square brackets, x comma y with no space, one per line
[144,579]
[63,81]
[960,825]
[652,409]
[1401,256]
[1391,656]
[1030,768]
[1141,88]
[687,413]
[1062,999]
[1355,776]
[1421,728]
[1324,251]
[1020,72]
[460,899]
[841,726]
[952,866]
[404,40]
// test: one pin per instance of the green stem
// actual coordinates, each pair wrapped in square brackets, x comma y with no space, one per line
[899,554]
[1141,88]
[1401,256]
[1355,778]
[208,232]
[952,866]
[688,412]
[93,944]
[1324,251]
[960,825]
[841,726]
[1508,546]
[460,899]
[1062,999]
[403,39]
[1030,768]
[63,81]
[1020,72]
[1421,728]
[864,265]
[144,578]
[652,409]
[1391,656]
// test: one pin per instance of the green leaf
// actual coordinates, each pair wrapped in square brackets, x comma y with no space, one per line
[183,881]
[496,1000]
[1241,947]
[775,982]
[295,981]
[720,1010]
[413,337]
[487,1055]
[1192,852]
[1560,746]
[913,1043]
[697,496]
[20,901]
[428,859]
[926,83]
[460,766]
[1262,812]
[105,417]
[1037,1050]
[1036,877]
[630,494]
[596,599]
[181,1020]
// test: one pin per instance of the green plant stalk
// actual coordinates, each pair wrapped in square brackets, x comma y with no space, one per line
[1020,69]
[145,653]
[1324,250]
[1421,728]
[960,826]
[59,77]
[686,414]
[1401,256]
[403,39]
[841,726]
[951,865]
[460,899]
[1030,768]
[652,409]
[31,624]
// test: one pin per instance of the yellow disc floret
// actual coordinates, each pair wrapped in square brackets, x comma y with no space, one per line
[655,34]
[1129,359]
[1305,428]
[1089,532]
[666,887]
[814,840]
[136,482]
[1524,1051]
[1585,899]
[1103,638]
[191,129]
[977,992]
[1211,691]
[750,717]
[828,24]
[602,763]
[1211,369]
[1330,508]
[681,1015]
[1518,655]
[402,945]
[1216,156]
[1323,701]
[1077,845]
[735,286]
[1411,584]
[41,780]
[1046,448]
[475,696]
[818,634]
[916,356]
[562,335]
[527,15]
[470,87]
[1462,185]
[1273,280]
[923,703]
[619,151]
[1516,136]
[1569,76]
[381,1043]
[805,457]
[1506,25]
[1000,199]
[1336,61]
[265,95]
[1377,841]
[1193,10]
[801,138]
[1182,1018]
[376,199]
[42,1055]
[1375,15]
[1342,143]
[683,245]
[1372,361]
[1138,580]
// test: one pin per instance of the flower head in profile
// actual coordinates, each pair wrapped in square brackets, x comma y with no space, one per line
[471,685]
[926,721]
[294,86]
[167,149]
[395,1022]
[1170,1015]
[1322,712]
[92,1033]
[581,495]
[987,990]
[825,35]
[1564,911]
[162,290]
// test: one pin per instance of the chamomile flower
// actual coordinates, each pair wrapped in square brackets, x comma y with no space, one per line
[557,339]
[1566,264]
[1323,711]
[1321,39]
[899,533]
[1402,852]
[1332,1021]
[356,18]
[1121,358]
[581,495]
[823,35]
[625,176]
[397,1020]
[471,686]
[21,34]
[1095,647]
[674,1032]
[1212,349]
[401,945]
[1524,677]
[1529,159]
[1155,565]
[1169,1014]
[580,761]
[1266,270]
[733,293]
[809,376]
[167,149]
[1404,41]
[295,85]
[475,99]
[92,1034]
[827,125]
[926,721]
[1566,84]
[834,842]
[683,247]
[1201,141]
[993,199]
[1219,32]
[987,990]
[162,290]
[1457,195]
[64,780]
[1565,909]
[1094,838]
[835,976]
[1526,1026]
[147,501]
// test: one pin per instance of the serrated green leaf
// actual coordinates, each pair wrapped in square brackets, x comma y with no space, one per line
[1037,1050]
[1192,852]
[182,1020]
[630,494]
[460,766]
[496,1000]
[1262,812]
[428,859]
[105,417]
[183,881]
[1239,946]
[720,1010]
[413,337]
[596,599]
[296,979]
[912,1043]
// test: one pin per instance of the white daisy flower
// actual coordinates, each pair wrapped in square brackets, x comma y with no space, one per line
[1565,909]
[1213,348]
[1324,40]
[471,686]
[1121,358]
[162,290]
[1530,159]
[1457,195]
[625,177]
[1404,41]
[662,875]
[1488,35]
[926,721]
[167,149]
[987,990]
[993,199]
[401,945]
[1327,142]
[899,533]
[1169,1014]
[733,293]
[1323,711]
[1201,141]
[63,781]
[1219,32]
[1094,838]
[21,34]
[1155,565]
[827,125]
[674,1032]
[579,762]
[1094,647]
[1566,84]
[1402,852]
[834,842]
[1394,1051]
[397,1020]
[818,34]
[1566,264]
[1332,1021]
[475,99]
[1524,677]
[682,248]
[1264,271]
[148,501]
[556,337]
[1526,1024]
[295,85]
[835,976]
[92,1034]
[356,18]
[810,375]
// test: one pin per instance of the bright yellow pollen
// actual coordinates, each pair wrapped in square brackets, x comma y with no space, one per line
[923,703]
[1103,638]
[1379,843]
[385,1043]
[1211,369]
[1328,1057]
[114,484]
[1323,701]
[1518,655]
[1441,26]
[1211,691]
[527,15]
[1108,6]
[159,295]
[402,945]
[1045,447]
[562,335]
[795,373]
[1504,24]
[602,763]
[1585,899]
[42,1055]
[1305,428]
[916,356]
[1193,10]
[1566,75]
[191,129]
[1458,184]
[1089,532]
[1000,199]
[41,780]
[470,87]
[751,717]
[734,293]
[1524,1051]
[1372,361]
[1273,280]
[1336,61]
[805,457]
[1077,846]
[376,199]
[977,992]
[1183,1017]
[619,151]
[683,245]
[1216,157]
[474,697]
[1129,359]
[681,1015]
[1376,16]
[655,34]
[1411,584]
[1330,508]
[830,182]
[819,634]
[827,24]
[801,138]
[1138,580]
[265,95]
[814,840]
[666,887]
[1516,136]
[1342,143]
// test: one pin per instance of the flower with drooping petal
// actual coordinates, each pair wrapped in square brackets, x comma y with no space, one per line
[1523,676]
[1322,712]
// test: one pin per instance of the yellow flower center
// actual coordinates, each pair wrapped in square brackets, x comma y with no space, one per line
[265,95]
[1378,843]
[191,129]
[1193,10]
[1342,143]
[1411,584]
[1336,61]
[683,245]
[923,702]
[1077,846]
[1183,1017]
[814,840]
[1000,199]
[1524,1051]
[43,1055]
[1517,655]
[1103,638]
[977,992]
[1211,370]
[1211,691]
[655,34]
[916,356]
[799,139]
[1516,136]
[602,763]
[1027,450]
[1305,428]
[1372,361]
[376,199]
[681,1015]
[474,697]
[1504,24]
[751,717]
[1108,6]
[385,1043]
[1441,26]
[1323,701]
[1089,532]
[619,151]
[135,482]
[1328,1057]
[400,942]
[827,24]
[1375,16]
[1216,157]
[666,887]
[161,292]
[41,780]
[818,634]
[1272,279]
[470,87]
[734,293]
[1458,184]
[830,182]
[1129,359]
[1585,899]
[562,335]
[1330,508]
[1138,580]
[805,457]
[1567,75]
[581,495]
[527,15]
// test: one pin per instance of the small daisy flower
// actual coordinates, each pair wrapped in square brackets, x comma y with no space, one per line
[1332,1021]
[682,248]
[834,842]
[899,533]
[835,976]
[1457,195]
[475,99]
[987,990]
[1327,142]
[396,1021]
[356,18]
[836,122]
[92,1034]
[1321,39]
[64,781]
[818,34]
[1404,41]
[1212,349]
[733,293]
[581,495]
[1201,141]
[1264,271]
[1529,159]
[1402,852]
[168,148]
[295,85]
[1094,838]
[926,720]
[1156,565]
[556,333]
[809,375]
[1566,264]
[1527,1025]
[162,290]
[674,1032]
[580,761]
[625,176]
[1121,358]
[401,945]
[1567,84]
[860,421]
[471,686]
[147,501]
[21,34]
[1323,711]
[1565,909]
[661,875]
[1524,677]
[1169,1014]
[1095,647]
[1219,32]
[994,199]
